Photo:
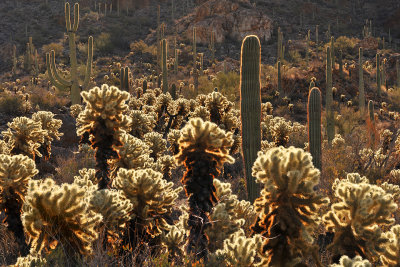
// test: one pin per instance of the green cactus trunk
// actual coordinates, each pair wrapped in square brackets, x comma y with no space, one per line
[341,63]
[279,80]
[164,66]
[361,81]
[330,126]
[122,78]
[212,44]
[333,52]
[378,75]
[176,57]
[250,104]
[314,126]
[398,73]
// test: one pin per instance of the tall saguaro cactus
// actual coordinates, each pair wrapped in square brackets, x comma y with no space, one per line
[314,126]
[164,66]
[361,81]
[398,73]
[330,127]
[250,105]
[124,79]
[378,74]
[56,79]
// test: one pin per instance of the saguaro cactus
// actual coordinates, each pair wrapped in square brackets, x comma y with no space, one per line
[279,79]
[164,66]
[59,82]
[124,79]
[314,126]
[330,127]
[378,74]
[361,81]
[250,105]
[398,73]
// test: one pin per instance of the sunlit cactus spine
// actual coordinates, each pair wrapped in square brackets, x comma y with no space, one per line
[378,75]
[330,127]
[314,126]
[124,79]
[55,78]
[361,81]
[250,104]
[164,66]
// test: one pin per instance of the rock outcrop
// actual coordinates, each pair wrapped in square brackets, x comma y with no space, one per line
[229,19]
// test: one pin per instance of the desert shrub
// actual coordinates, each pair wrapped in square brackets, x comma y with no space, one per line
[11,104]
[228,84]
[57,47]
[345,44]
[141,47]
[103,43]
[46,100]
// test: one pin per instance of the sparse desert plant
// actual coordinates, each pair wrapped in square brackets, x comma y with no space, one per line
[104,120]
[288,206]
[203,149]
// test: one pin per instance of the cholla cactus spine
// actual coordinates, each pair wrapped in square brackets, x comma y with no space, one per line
[314,126]
[59,82]
[250,102]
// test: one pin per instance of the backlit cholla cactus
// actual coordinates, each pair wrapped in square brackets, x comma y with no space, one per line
[74,110]
[15,174]
[156,144]
[51,126]
[173,137]
[176,112]
[152,198]
[228,216]
[201,99]
[58,214]
[237,144]
[174,241]
[391,254]
[288,206]
[229,121]
[134,103]
[267,108]
[201,112]
[357,217]
[104,119]
[386,139]
[4,148]
[280,130]
[396,175]
[239,250]
[167,163]
[133,154]
[163,101]
[357,261]
[142,123]
[33,259]
[203,150]
[24,136]
[216,104]
[149,98]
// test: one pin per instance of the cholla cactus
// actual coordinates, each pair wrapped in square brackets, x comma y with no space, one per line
[386,139]
[239,250]
[203,150]
[391,254]
[58,213]
[201,112]
[267,108]
[133,154]
[156,144]
[356,218]
[134,103]
[74,110]
[152,198]
[280,130]
[173,241]
[24,136]
[104,119]
[142,123]
[230,121]
[357,261]
[4,149]
[167,163]
[288,206]
[31,260]
[201,99]
[216,104]
[15,174]
[51,126]
[173,137]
